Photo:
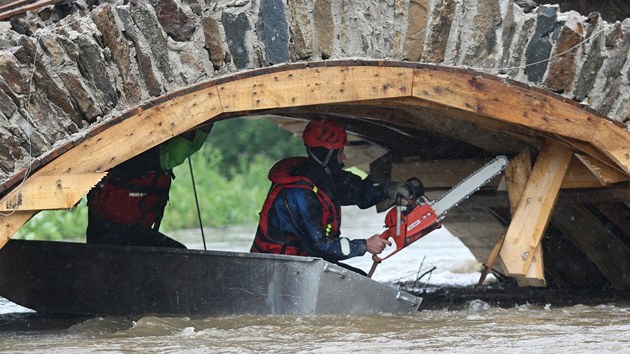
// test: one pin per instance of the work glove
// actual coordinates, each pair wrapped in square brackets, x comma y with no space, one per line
[400,192]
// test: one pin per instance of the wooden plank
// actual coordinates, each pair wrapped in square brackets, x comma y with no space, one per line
[438,173]
[11,222]
[608,253]
[501,101]
[416,118]
[604,173]
[14,4]
[528,108]
[499,127]
[590,150]
[447,173]
[579,176]
[25,7]
[516,175]
[311,86]
[136,134]
[620,194]
[614,142]
[141,132]
[534,209]
[51,192]
[618,214]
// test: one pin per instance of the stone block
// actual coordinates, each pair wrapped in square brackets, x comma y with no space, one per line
[236,28]
[173,20]
[7,105]
[94,68]
[274,31]
[301,29]
[82,97]
[417,21]
[611,70]
[149,77]
[149,29]
[325,27]
[9,152]
[562,66]
[440,30]
[484,37]
[213,41]
[539,48]
[46,84]
[591,64]
[113,38]
[16,80]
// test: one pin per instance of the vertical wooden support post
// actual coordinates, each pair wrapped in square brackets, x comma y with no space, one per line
[534,209]
[516,176]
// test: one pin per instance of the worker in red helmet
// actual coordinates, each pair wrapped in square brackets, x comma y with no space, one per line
[302,212]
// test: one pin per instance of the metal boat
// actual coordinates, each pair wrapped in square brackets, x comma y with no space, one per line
[91,279]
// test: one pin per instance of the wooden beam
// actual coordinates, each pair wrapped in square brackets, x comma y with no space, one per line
[51,192]
[517,105]
[14,4]
[311,86]
[11,222]
[498,127]
[618,214]
[415,118]
[528,108]
[517,173]
[20,7]
[614,142]
[534,209]
[604,173]
[607,252]
[579,176]
[447,173]
[438,173]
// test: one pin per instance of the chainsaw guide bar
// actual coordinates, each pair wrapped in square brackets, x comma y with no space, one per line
[469,185]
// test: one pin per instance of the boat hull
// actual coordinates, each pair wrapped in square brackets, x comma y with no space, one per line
[78,278]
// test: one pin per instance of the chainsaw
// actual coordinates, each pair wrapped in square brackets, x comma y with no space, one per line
[411,219]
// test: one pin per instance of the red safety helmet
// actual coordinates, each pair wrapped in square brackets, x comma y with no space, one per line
[324,133]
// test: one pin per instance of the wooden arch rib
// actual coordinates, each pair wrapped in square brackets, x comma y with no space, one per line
[304,85]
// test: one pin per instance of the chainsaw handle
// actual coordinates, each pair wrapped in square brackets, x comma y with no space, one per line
[398,242]
[416,224]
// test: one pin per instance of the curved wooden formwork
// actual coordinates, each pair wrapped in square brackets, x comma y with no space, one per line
[569,166]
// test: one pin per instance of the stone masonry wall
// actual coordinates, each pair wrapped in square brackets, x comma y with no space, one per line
[64,68]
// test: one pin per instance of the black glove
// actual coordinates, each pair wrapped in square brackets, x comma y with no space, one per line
[399,191]
[418,187]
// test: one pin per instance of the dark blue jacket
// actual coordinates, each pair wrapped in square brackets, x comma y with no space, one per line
[296,213]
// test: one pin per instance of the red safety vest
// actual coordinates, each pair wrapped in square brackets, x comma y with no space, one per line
[280,175]
[139,201]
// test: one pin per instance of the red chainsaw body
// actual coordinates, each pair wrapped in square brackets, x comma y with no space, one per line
[413,225]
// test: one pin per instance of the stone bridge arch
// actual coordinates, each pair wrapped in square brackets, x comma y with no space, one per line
[78,83]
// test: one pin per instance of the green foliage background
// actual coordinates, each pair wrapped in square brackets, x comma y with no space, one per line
[230,173]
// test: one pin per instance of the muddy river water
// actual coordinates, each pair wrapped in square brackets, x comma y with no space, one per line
[477,327]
